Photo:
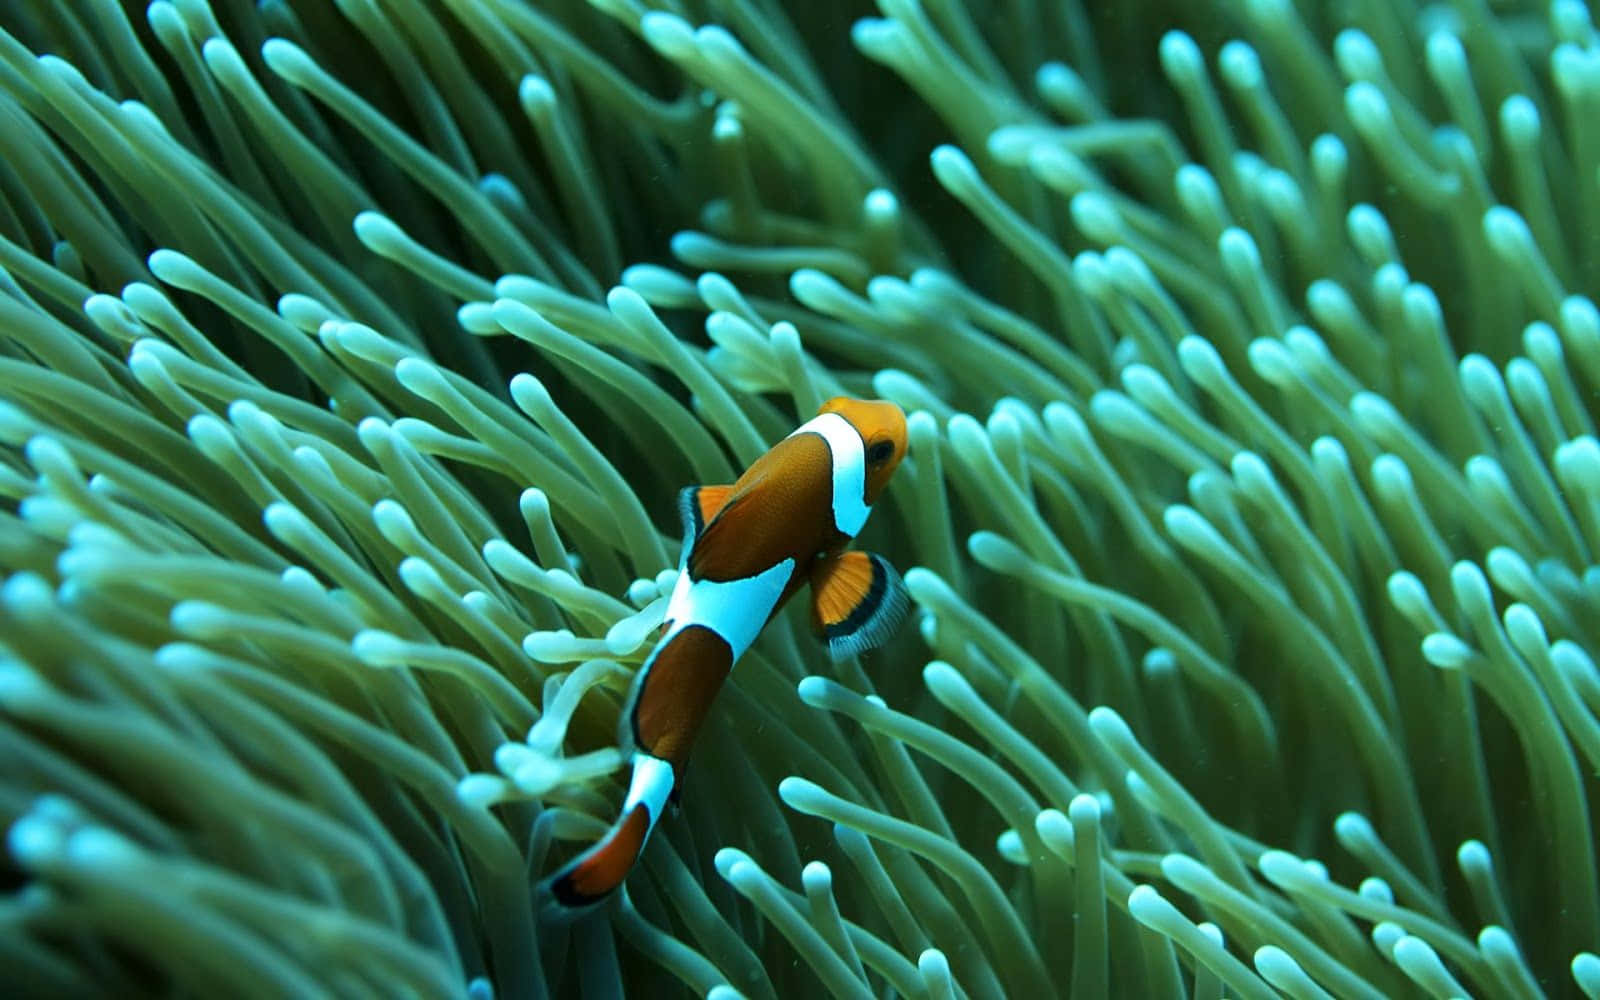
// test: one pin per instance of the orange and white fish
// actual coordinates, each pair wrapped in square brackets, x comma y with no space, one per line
[747,548]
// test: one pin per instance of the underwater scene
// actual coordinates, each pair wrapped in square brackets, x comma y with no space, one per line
[511,499]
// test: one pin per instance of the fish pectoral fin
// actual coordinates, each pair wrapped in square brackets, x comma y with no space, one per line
[857,602]
[698,506]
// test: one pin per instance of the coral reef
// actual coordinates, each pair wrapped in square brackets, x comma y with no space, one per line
[353,351]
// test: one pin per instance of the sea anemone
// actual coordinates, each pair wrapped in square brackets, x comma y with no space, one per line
[352,354]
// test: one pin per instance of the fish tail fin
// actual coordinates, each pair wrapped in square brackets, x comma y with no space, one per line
[591,877]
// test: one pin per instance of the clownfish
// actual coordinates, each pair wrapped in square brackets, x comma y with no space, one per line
[747,547]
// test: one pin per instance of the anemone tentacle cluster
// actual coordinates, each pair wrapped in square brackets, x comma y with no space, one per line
[352,353]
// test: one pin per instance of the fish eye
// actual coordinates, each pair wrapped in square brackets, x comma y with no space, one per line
[880,452]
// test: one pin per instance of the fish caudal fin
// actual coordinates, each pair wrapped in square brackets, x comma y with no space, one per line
[594,875]
[857,602]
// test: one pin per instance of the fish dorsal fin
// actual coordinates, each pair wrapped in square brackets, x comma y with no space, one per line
[857,602]
[698,506]
[781,508]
